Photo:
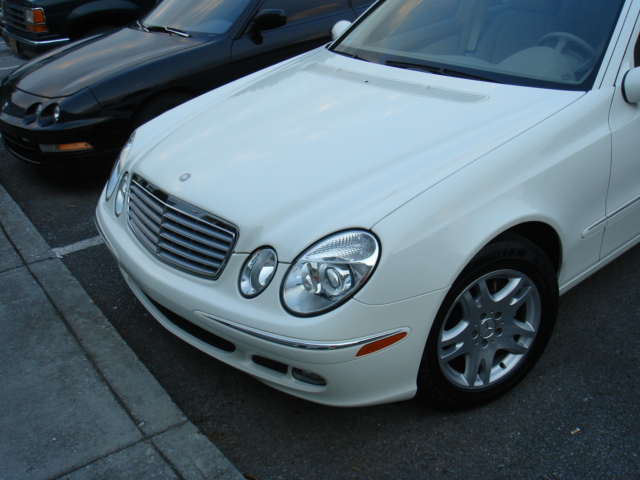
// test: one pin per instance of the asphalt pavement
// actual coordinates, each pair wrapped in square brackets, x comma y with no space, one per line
[76,402]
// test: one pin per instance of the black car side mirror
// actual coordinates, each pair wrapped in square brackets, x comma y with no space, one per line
[268,20]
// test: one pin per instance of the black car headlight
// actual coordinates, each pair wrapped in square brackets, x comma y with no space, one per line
[330,272]
[50,115]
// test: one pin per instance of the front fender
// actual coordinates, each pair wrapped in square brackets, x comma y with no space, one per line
[555,173]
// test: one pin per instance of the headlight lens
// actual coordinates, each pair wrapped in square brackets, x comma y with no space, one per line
[330,272]
[258,271]
[112,183]
[49,115]
[121,195]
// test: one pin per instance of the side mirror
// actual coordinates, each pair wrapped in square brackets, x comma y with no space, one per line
[268,20]
[631,86]
[339,28]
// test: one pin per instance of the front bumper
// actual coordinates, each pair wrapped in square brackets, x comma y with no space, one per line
[215,318]
[25,47]
[23,136]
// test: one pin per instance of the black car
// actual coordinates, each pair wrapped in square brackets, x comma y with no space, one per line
[32,27]
[76,106]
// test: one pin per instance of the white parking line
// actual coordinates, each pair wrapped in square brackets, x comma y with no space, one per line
[75,247]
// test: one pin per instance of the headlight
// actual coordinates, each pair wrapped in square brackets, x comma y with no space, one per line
[330,272]
[49,115]
[258,271]
[118,167]
[121,194]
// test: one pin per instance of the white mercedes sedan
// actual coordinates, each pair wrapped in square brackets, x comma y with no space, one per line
[397,213]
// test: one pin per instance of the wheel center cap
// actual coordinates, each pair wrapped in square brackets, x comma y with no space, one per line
[488,328]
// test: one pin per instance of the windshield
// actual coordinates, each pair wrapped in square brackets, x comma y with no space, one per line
[543,43]
[213,17]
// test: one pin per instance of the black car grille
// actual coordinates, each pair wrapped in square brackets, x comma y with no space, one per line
[178,233]
[13,15]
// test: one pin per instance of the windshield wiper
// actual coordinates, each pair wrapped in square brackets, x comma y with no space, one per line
[449,72]
[169,30]
[142,27]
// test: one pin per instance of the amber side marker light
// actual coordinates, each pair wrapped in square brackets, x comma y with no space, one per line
[37,28]
[380,344]
[35,20]
[66,147]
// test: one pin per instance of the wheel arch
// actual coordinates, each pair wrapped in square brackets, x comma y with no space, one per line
[456,239]
[543,235]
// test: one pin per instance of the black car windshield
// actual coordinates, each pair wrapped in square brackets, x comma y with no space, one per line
[543,43]
[213,17]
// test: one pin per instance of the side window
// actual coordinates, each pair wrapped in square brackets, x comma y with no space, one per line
[636,54]
[304,11]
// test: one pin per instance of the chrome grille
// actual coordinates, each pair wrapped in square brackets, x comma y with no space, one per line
[179,233]
[14,15]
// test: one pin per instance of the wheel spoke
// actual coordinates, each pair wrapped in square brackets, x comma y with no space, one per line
[456,341]
[515,347]
[470,303]
[455,335]
[510,294]
[478,366]
[453,352]
[472,366]
[486,298]
[515,328]
[486,363]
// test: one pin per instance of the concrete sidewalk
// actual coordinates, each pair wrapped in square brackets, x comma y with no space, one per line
[75,401]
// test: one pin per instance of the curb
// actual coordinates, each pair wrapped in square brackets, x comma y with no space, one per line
[161,423]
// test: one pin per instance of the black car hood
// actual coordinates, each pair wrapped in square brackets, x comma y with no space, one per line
[66,71]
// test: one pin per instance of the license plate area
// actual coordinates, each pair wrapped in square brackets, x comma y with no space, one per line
[13,45]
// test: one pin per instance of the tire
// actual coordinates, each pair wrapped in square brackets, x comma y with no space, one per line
[157,106]
[492,327]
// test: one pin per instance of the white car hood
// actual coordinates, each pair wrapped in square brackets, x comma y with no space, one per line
[324,142]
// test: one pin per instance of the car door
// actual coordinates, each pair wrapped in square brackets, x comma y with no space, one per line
[623,199]
[308,25]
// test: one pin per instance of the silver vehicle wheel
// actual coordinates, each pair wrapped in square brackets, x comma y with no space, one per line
[492,326]
[489,329]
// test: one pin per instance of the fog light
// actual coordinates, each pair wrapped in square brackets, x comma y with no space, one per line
[258,271]
[66,147]
[308,377]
